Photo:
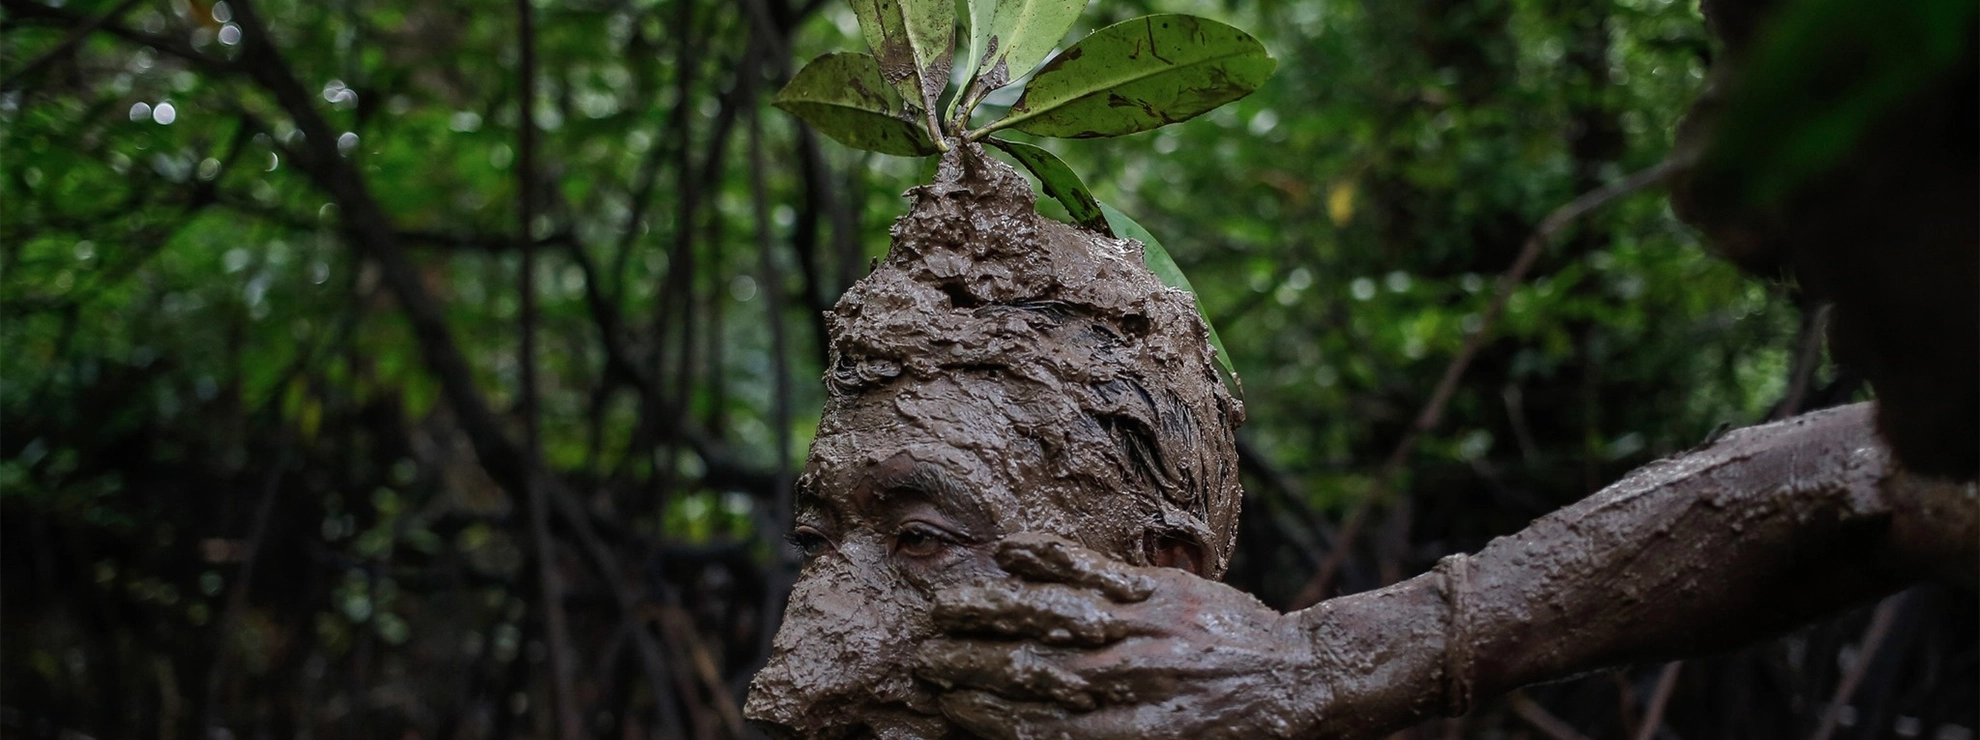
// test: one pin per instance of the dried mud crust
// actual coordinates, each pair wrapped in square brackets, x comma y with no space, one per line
[1066,319]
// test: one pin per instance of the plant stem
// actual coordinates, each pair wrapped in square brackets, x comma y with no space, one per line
[935,128]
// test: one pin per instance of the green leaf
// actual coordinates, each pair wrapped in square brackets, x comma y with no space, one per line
[982,17]
[1138,75]
[843,96]
[914,41]
[1009,37]
[1060,182]
[1165,269]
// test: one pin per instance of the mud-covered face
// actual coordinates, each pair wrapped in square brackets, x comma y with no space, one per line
[999,372]
[906,491]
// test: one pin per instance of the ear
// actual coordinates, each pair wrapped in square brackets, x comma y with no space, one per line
[1173,549]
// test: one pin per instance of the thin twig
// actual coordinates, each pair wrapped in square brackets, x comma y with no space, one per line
[1541,719]
[686,643]
[369,228]
[66,46]
[1653,715]
[1302,528]
[612,574]
[230,615]
[674,133]
[264,512]
[1625,700]
[1433,409]
[1873,638]
[820,200]
[660,418]
[555,627]
[26,10]
[1814,324]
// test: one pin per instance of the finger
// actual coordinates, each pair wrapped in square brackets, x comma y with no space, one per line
[1046,558]
[990,715]
[1054,613]
[1010,669]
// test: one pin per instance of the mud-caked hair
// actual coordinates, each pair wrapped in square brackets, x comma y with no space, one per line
[977,283]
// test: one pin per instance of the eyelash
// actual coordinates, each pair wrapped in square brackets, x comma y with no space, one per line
[924,533]
[807,541]
[912,536]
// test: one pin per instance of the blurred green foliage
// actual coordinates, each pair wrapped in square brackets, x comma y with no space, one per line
[188,328]
[1334,220]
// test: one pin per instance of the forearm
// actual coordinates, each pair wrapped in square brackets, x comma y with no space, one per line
[1378,658]
[1768,528]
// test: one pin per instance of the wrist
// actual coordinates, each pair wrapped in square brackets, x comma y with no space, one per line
[1377,659]
[1304,690]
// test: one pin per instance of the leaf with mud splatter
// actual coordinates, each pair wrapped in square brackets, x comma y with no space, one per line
[914,41]
[1060,182]
[1009,37]
[1166,270]
[1138,75]
[844,97]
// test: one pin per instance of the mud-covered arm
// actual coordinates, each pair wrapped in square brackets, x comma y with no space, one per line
[1769,527]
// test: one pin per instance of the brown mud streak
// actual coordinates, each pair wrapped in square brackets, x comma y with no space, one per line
[977,280]
[1764,530]
[1040,366]
[1002,373]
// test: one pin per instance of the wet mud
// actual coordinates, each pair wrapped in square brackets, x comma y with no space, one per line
[998,372]
[1025,430]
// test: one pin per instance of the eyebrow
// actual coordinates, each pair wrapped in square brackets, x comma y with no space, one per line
[926,478]
[921,481]
[893,487]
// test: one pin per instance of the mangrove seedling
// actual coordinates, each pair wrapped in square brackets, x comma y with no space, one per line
[1126,78]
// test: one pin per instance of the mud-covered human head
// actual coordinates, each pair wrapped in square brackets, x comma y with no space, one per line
[999,372]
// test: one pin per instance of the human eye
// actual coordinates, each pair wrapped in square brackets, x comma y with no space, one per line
[808,540]
[921,540]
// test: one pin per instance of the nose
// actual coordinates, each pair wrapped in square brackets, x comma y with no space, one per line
[840,659]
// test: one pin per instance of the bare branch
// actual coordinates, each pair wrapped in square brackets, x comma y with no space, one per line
[370,229]
[66,46]
[1814,324]
[1541,719]
[1653,716]
[1433,409]
[556,631]
[1873,638]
